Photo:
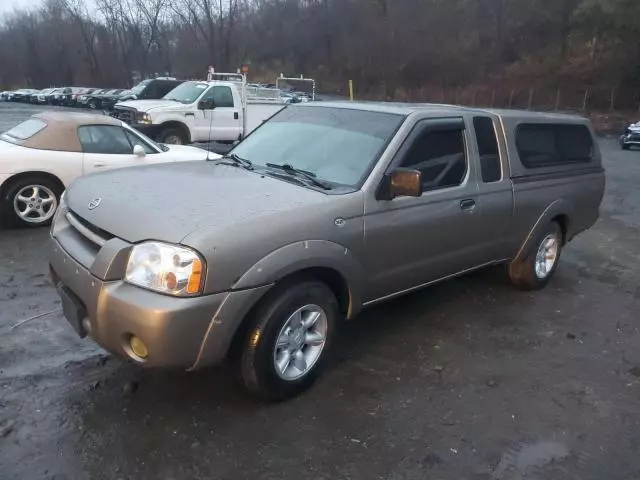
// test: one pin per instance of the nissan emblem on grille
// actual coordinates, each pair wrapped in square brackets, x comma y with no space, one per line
[94,203]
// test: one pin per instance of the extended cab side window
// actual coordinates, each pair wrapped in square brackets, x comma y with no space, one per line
[106,139]
[487,149]
[440,157]
[547,144]
[222,97]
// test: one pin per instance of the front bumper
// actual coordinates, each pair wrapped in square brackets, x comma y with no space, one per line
[179,332]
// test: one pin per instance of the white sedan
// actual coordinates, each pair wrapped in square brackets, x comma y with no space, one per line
[40,157]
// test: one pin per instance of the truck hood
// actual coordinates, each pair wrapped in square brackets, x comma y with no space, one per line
[167,202]
[150,105]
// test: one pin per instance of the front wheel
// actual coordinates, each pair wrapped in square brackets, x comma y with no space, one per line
[31,202]
[172,136]
[288,341]
[626,146]
[535,270]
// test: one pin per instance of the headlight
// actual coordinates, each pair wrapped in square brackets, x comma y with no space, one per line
[166,269]
[143,118]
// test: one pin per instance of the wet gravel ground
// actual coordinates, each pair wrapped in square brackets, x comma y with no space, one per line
[471,379]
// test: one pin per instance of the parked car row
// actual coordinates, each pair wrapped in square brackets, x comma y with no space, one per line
[92,98]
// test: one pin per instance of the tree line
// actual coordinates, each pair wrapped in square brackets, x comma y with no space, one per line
[388,47]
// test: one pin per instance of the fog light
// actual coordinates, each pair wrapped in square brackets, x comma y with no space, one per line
[138,347]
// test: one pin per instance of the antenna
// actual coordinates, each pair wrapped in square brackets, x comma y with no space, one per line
[210,124]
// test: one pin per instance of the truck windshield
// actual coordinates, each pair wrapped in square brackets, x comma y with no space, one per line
[187,92]
[337,145]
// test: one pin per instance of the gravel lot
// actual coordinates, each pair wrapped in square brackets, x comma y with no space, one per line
[471,379]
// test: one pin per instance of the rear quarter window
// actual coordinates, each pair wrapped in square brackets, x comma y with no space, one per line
[26,129]
[547,144]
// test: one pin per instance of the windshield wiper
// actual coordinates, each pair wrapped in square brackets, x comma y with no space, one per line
[237,160]
[309,176]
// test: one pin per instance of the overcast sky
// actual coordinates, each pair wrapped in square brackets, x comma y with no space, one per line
[8,5]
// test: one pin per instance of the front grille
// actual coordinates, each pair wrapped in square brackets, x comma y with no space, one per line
[124,115]
[635,137]
[89,231]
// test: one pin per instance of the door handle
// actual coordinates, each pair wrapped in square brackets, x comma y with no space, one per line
[235,115]
[468,204]
[99,164]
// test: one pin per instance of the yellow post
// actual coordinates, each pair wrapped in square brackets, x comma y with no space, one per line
[351,90]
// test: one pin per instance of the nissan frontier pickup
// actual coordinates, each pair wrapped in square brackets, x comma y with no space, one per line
[322,211]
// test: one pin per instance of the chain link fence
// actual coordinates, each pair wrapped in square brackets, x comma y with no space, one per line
[610,108]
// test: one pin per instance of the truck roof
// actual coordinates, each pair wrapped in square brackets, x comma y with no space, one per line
[438,109]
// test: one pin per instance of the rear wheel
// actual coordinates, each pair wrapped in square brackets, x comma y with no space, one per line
[288,340]
[172,136]
[535,271]
[31,201]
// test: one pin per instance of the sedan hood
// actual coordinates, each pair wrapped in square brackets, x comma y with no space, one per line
[167,202]
[149,105]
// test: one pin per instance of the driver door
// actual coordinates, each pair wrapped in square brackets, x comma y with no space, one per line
[414,241]
[218,116]
[108,146]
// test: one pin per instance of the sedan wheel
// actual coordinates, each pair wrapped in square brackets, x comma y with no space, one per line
[35,204]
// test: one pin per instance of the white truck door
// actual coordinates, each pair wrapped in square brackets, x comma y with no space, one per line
[219,117]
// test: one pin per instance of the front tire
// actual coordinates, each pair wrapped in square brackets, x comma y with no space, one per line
[626,146]
[172,136]
[31,202]
[291,331]
[535,271]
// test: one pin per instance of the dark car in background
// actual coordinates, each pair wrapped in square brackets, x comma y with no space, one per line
[32,97]
[58,96]
[83,100]
[76,99]
[108,101]
[95,100]
[43,97]
[50,98]
[151,89]
[69,96]
[630,137]
[22,95]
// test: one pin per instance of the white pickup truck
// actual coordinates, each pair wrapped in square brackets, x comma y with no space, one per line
[200,111]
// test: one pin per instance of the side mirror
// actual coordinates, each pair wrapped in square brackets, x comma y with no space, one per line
[138,151]
[206,104]
[402,182]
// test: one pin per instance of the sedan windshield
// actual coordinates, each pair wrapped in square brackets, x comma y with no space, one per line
[187,92]
[137,90]
[337,145]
